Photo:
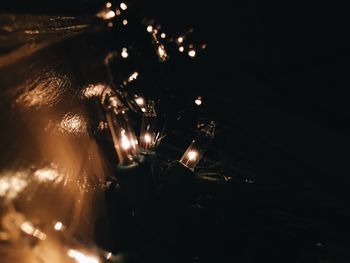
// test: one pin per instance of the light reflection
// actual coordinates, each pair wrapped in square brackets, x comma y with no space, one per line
[12,184]
[125,143]
[73,123]
[47,174]
[81,257]
[28,228]
[93,90]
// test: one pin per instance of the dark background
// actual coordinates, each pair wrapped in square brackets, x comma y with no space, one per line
[275,77]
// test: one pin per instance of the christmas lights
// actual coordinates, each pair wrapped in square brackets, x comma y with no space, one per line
[148,134]
[195,151]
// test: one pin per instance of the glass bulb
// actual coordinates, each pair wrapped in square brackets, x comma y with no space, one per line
[197,148]
[148,134]
[123,135]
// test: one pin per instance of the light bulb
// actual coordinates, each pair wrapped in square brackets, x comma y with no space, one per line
[148,134]
[196,150]
[123,135]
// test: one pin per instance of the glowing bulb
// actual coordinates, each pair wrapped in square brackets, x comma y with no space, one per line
[118,12]
[108,5]
[140,101]
[133,76]
[149,28]
[110,14]
[162,53]
[123,6]
[163,35]
[123,135]
[192,53]
[125,22]
[110,24]
[81,257]
[198,101]
[148,134]
[58,226]
[197,148]
[125,53]
[181,49]
[180,39]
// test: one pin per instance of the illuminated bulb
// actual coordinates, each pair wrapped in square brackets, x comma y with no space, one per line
[110,14]
[123,6]
[110,24]
[125,22]
[197,148]
[198,101]
[125,53]
[58,226]
[108,5]
[81,257]
[162,53]
[163,35]
[140,101]
[123,135]
[181,49]
[180,39]
[148,134]
[133,76]
[192,53]
[118,12]
[149,28]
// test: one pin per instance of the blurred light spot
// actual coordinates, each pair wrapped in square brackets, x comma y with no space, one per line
[80,257]
[192,53]
[58,226]
[27,228]
[123,6]
[181,49]
[190,45]
[125,142]
[133,76]
[110,24]
[47,174]
[192,155]
[118,12]
[125,22]
[143,109]
[124,53]
[149,28]
[73,123]
[204,46]
[108,4]
[163,35]
[140,101]
[93,90]
[162,53]
[12,184]
[198,101]
[180,39]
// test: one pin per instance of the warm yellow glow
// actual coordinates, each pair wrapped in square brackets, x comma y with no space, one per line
[47,174]
[108,4]
[73,123]
[123,6]
[180,39]
[133,76]
[198,101]
[38,234]
[118,12]
[192,155]
[192,53]
[125,142]
[110,14]
[143,109]
[58,226]
[140,101]
[147,138]
[163,35]
[93,90]
[81,257]
[125,22]
[125,53]
[12,184]
[162,52]
[181,49]
[149,28]
[27,228]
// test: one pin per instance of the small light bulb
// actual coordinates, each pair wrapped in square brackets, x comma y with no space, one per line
[197,148]
[192,53]
[163,35]
[118,12]
[180,39]
[110,24]
[125,22]
[140,101]
[125,53]
[123,6]
[198,101]
[149,28]
[58,226]
[181,49]
[148,134]
[108,4]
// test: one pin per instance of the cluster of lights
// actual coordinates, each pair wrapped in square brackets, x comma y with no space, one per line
[108,13]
